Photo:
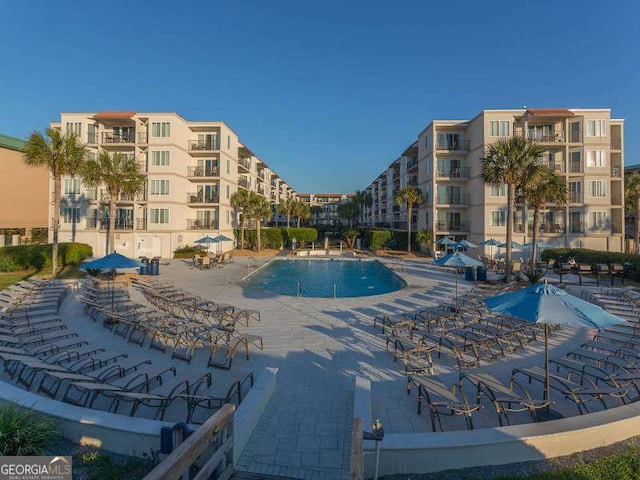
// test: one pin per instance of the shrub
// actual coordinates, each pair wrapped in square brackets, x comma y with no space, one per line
[594,257]
[350,236]
[302,235]
[187,251]
[270,237]
[24,432]
[379,239]
[26,257]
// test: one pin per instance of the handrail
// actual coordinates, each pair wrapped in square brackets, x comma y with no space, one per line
[187,453]
[356,470]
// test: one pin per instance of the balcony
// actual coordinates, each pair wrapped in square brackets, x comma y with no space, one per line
[616,144]
[141,223]
[143,137]
[261,174]
[113,138]
[202,224]
[616,172]
[557,167]
[458,172]
[245,162]
[412,163]
[551,137]
[452,226]
[201,198]
[454,199]
[575,197]
[244,183]
[92,138]
[203,172]
[103,223]
[453,145]
[105,197]
[575,136]
[413,181]
[204,145]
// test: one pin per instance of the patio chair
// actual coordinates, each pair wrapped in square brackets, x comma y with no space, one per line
[203,399]
[441,400]
[505,400]
[221,354]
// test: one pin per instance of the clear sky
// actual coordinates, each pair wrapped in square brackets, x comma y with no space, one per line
[328,93]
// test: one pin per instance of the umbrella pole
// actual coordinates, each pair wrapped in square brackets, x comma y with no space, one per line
[456,288]
[546,363]
[113,283]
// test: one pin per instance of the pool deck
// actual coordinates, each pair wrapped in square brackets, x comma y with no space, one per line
[319,346]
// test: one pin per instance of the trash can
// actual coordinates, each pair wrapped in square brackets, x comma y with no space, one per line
[144,269]
[155,266]
[469,274]
[481,274]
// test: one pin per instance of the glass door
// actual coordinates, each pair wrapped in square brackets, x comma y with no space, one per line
[575,132]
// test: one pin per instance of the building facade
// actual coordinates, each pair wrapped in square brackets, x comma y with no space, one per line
[327,204]
[192,170]
[23,189]
[586,147]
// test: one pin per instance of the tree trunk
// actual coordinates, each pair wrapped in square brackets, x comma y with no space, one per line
[409,213]
[298,221]
[511,193]
[57,186]
[242,232]
[636,247]
[288,219]
[534,237]
[258,239]
[112,222]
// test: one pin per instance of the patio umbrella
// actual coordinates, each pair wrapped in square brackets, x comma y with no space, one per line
[206,241]
[445,241]
[492,242]
[457,260]
[513,245]
[468,244]
[549,305]
[111,262]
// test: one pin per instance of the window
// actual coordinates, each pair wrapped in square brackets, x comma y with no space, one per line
[74,128]
[228,141]
[228,216]
[159,187]
[499,128]
[70,214]
[228,167]
[597,188]
[499,190]
[227,192]
[160,158]
[597,220]
[160,129]
[575,192]
[159,215]
[596,128]
[575,163]
[498,218]
[72,186]
[596,158]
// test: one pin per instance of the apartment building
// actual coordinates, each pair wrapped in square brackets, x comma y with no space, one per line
[630,220]
[586,146]
[327,214]
[16,178]
[192,169]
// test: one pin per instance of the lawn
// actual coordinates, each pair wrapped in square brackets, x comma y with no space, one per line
[11,278]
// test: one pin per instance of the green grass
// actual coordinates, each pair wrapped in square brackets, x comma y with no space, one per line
[619,466]
[11,278]
[24,432]
[97,466]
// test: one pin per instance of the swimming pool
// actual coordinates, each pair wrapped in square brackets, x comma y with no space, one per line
[317,277]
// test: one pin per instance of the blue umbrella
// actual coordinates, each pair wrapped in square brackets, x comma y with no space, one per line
[457,260]
[513,245]
[111,262]
[492,242]
[207,240]
[549,305]
[468,244]
[223,238]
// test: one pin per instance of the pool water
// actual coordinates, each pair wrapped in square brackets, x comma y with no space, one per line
[317,277]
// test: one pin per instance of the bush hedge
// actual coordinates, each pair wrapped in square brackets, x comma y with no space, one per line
[378,238]
[302,235]
[270,237]
[187,251]
[394,239]
[27,257]
[594,257]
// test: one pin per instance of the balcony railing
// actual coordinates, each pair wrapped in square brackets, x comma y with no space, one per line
[575,137]
[454,199]
[103,223]
[413,181]
[109,137]
[206,224]
[92,138]
[203,172]
[575,197]
[105,197]
[542,228]
[575,167]
[453,145]
[616,144]
[202,198]
[616,172]
[143,137]
[261,174]
[243,182]
[245,162]
[551,137]
[204,145]
[452,227]
[412,162]
[575,228]
[457,172]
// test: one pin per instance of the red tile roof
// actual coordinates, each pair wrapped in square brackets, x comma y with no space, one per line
[550,111]
[114,115]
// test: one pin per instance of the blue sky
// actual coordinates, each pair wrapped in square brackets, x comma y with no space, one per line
[328,93]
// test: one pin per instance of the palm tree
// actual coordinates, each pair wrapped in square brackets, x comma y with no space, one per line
[316,211]
[540,188]
[240,201]
[349,211]
[61,155]
[425,237]
[632,197]
[287,206]
[409,196]
[364,200]
[505,162]
[260,210]
[303,212]
[120,175]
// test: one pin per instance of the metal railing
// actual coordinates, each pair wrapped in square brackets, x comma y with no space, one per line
[616,144]
[92,138]
[244,162]
[203,172]
[205,145]
[109,137]
[454,172]
[454,199]
[453,145]
[616,172]
[557,167]
[452,226]
[575,167]
[243,182]
[575,197]
[575,136]
[551,137]
[198,224]
[201,197]
[412,162]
